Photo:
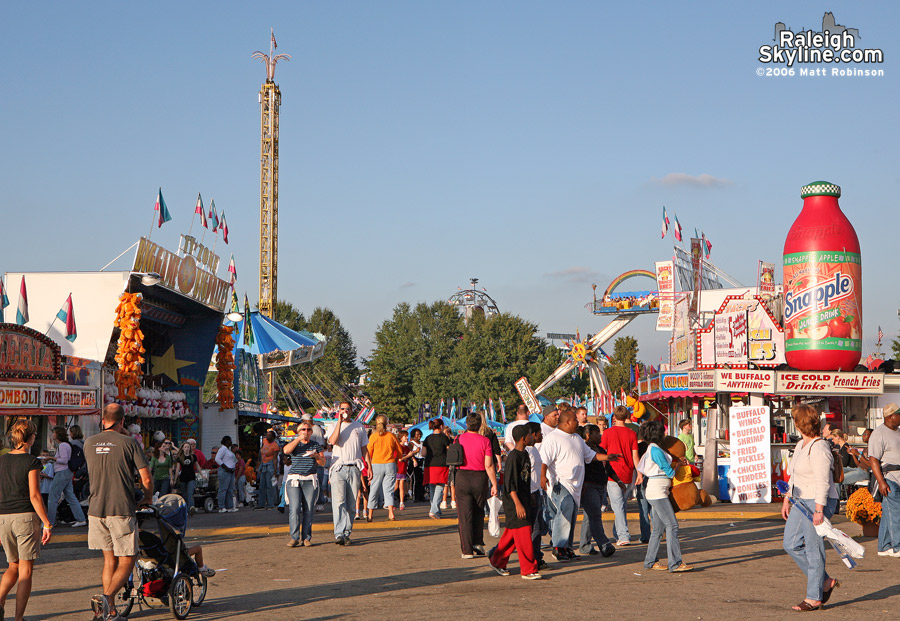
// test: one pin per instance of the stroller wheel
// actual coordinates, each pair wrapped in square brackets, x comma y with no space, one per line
[209,504]
[201,583]
[180,596]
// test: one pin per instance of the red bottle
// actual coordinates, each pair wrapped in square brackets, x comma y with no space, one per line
[822,285]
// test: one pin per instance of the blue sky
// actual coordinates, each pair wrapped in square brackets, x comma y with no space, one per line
[529,144]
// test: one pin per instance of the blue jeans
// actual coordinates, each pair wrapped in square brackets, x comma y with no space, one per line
[320,474]
[563,511]
[381,487]
[663,518]
[617,503]
[186,488]
[437,495]
[162,486]
[539,528]
[344,487]
[889,529]
[226,489]
[853,476]
[806,547]
[266,489]
[593,497]
[61,485]
[301,500]
[640,492]
[240,488]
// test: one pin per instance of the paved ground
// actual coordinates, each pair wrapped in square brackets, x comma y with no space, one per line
[415,572]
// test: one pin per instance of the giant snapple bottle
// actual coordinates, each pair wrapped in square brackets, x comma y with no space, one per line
[822,285]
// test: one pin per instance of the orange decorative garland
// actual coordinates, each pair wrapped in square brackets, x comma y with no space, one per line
[130,347]
[225,368]
[862,508]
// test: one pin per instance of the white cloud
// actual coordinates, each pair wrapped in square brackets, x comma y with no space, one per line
[697,181]
[407,285]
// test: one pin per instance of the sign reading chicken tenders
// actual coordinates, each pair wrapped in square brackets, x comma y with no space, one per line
[750,475]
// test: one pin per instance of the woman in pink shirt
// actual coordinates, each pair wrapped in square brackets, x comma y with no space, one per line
[472,479]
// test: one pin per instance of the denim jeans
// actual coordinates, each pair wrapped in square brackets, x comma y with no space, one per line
[61,485]
[381,487]
[301,502]
[239,486]
[344,487]
[437,495]
[853,476]
[226,489]
[266,489]
[540,526]
[563,511]
[617,503]
[320,494]
[889,529]
[162,486]
[640,492]
[663,518]
[806,547]
[593,497]
[186,488]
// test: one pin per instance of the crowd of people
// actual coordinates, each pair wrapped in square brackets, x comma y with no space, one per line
[542,475]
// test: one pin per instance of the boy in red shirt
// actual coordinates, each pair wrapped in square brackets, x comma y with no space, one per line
[622,440]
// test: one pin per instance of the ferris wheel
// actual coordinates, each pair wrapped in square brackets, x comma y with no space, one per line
[471,301]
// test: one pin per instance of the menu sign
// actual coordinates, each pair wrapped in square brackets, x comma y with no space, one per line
[27,354]
[731,338]
[19,396]
[702,381]
[745,381]
[69,397]
[750,476]
[665,282]
[830,383]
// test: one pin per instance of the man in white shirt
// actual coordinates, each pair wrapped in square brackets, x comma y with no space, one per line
[884,458]
[564,454]
[226,461]
[348,440]
[521,419]
[551,420]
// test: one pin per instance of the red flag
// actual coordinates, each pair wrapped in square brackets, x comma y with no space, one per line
[224,227]
[199,209]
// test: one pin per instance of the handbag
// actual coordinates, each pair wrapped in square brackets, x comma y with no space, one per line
[873,482]
[456,455]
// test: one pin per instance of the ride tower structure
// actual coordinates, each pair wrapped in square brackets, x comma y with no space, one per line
[269,108]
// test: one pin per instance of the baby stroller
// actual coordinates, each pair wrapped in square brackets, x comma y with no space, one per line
[165,574]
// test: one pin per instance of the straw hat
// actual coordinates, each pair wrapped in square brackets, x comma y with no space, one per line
[891,408]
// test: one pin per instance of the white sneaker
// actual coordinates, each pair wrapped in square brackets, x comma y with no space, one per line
[443,504]
[887,552]
[207,571]
[223,510]
[452,504]
[234,510]
[77,524]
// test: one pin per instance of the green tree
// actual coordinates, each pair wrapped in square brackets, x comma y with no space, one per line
[895,347]
[624,357]
[338,362]
[392,364]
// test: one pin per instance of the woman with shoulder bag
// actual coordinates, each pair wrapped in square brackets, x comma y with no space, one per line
[812,484]
[472,479]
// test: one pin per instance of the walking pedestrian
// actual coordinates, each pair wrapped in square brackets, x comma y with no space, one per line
[161,467]
[403,468]
[521,419]
[436,470]
[564,455]
[519,510]
[113,459]
[621,440]
[597,474]
[301,485]
[812,485]
[348,440]
[187,466]
[541,526]
[418,465]
[884,460]
[240,475]
[227,463]
[656,467]
[383,453]
[265,475]
[474,480]
[61,486]
[22,515]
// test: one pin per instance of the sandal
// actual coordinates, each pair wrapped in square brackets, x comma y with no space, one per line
[805,606]
[826,595]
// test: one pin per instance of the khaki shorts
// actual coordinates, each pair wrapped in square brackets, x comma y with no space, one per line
[116,533]
[20,534]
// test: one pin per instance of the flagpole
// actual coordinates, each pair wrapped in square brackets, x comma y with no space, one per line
[194,217]
[155,218]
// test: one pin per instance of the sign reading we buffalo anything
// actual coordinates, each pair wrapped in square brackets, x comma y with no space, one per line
[750,476]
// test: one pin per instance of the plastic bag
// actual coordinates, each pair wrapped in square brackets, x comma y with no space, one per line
[494,505]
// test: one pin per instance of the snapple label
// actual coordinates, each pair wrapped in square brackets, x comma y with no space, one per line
[822,285]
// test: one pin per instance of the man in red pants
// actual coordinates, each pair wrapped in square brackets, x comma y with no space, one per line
[517,505]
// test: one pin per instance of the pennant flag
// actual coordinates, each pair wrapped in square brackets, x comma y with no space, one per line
[677,228]
[502,412]
[453,410]
[274,44]
[441,410]
[22,311]
[213,217]
[665,224]
[67,315]
[370,415]
[162,209]
[224,228]
[491,410]
[232,270]
[248,327]
[234,302]
[631,376]
[880,335]
[199,209]
[706,243]
[4,301]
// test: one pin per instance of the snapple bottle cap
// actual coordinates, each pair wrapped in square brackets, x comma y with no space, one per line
[820,188]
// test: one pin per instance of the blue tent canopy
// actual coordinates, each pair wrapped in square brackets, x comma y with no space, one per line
[271,337]
[455,427]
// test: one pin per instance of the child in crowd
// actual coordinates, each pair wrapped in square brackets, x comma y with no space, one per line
[519,510]
[46,476]
[403,467]
[540,527]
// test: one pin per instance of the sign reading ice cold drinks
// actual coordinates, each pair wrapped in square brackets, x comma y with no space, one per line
[750,476]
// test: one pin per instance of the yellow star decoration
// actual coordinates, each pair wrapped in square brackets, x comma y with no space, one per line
[168,364]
